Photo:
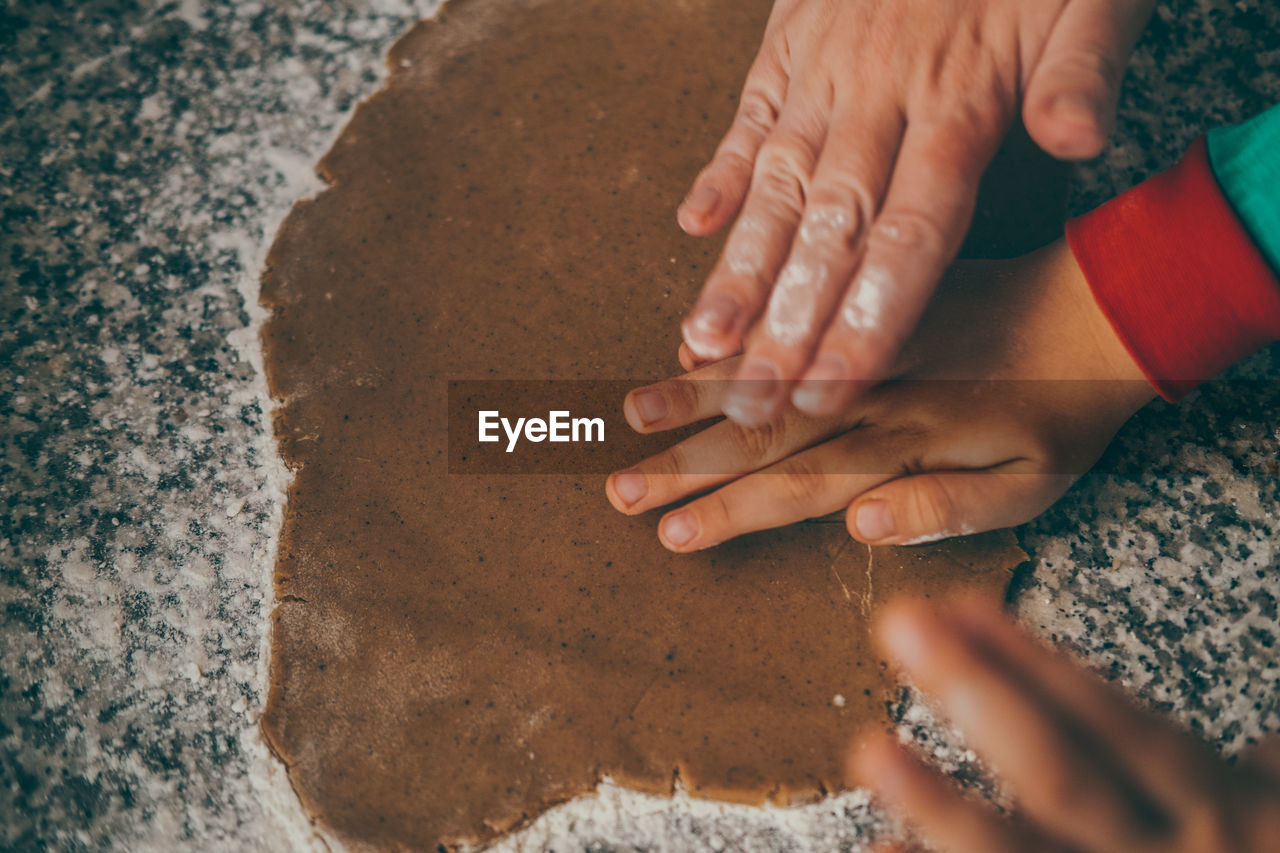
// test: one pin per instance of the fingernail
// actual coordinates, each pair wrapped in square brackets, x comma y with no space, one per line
[702,201]
[1075,108]
[875,521]
[752,396]
[819,390]
[904,639]
[651,406]
[630,486]
[713,319]
[679,529]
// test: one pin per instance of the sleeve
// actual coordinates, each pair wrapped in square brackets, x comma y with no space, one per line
[1178,273]
[1246,161]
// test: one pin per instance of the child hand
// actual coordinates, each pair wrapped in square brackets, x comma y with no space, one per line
[1089,771]
[855,156]
[1012,387]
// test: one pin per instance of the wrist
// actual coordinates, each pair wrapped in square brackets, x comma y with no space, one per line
[1088,345]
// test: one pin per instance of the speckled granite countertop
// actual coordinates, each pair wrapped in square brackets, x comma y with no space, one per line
[147,152]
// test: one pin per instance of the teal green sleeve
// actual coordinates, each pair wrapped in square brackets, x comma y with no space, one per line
[1246,161]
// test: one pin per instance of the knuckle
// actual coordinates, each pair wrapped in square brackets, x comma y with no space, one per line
[801,484]
[1091,59]
[931,506]
[757,112]
[967,83]
[745,255]
[955,149]
[792,312]
[913,231]
[757,443]
[706,395]
[670,463]
[983,116]
[684,400]
[732,156]
[677,462]
[714,514]
[782,172]
[837,212]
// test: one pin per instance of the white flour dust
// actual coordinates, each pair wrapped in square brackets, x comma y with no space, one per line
[864,303]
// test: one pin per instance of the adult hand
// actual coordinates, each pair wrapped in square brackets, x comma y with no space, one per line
[854,161]
[1089,772]
[1013,386]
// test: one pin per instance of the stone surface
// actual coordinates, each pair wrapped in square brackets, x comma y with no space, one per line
[147,152]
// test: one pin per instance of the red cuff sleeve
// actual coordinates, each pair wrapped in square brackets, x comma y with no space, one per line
[1183,284]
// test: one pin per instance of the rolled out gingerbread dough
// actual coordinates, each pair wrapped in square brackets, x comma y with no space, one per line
[454,653]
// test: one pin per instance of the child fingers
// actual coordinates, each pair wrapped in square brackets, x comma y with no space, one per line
[647,485]
[933,506]
[718,454]
[760,501]
[678,402]
[804,485]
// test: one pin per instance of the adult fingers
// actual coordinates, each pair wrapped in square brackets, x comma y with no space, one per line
[949,821]
[739,284]
[1165,760]
[714,456]
[933,506]
[1065,780]
[917,232]
[1071,97]
[848,184]
[720,187]
[809,484]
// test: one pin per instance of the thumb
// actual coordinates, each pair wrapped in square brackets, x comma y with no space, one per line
[929,507]
[1071,98]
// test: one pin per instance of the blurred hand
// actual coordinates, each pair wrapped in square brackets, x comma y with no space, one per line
[853,165]
[1089,771]
[1012,387]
